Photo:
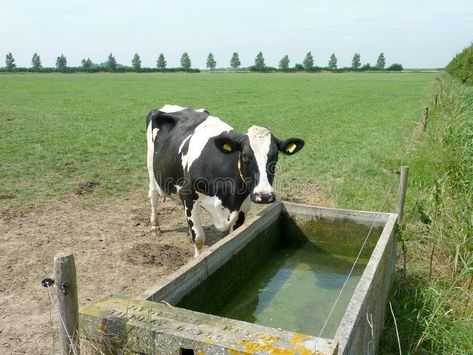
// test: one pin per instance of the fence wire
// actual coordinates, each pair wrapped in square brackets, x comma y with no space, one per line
[62,323]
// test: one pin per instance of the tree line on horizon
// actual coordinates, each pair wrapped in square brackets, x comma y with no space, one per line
[111,65]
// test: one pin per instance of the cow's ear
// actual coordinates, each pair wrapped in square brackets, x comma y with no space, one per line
[290,146]
[228,142]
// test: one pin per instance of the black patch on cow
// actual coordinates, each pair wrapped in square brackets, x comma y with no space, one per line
[240,220]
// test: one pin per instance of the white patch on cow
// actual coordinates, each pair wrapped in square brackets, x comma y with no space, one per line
[171,108]
[184,142]
[260,141]
[184,161]
[211,127]
[155,133]
[201,110]
[222,218]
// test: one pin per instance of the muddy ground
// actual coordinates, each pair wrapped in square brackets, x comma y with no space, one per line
[114,252]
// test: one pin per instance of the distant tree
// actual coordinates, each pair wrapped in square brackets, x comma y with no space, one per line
[259,62]
[356,62]
[10,62]
[395,67]
[61,63]
[381,62]
[136,62]
[186,62]
[211,63]
[36,62]
[332,63]
[235,61]
[161,62]
[366,66]
[308,62]
[284,63]
[87,64]
[111,62]
[299,67]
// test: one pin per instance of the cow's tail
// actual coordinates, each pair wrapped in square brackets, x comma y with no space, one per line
[151,132]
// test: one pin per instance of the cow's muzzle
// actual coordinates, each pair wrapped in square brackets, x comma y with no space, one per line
[261,197]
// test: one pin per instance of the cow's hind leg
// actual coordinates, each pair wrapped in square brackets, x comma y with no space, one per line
[193,210]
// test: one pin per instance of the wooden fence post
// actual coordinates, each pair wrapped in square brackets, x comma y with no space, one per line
[401,195]
[68,307]
[425,118]
[436,100]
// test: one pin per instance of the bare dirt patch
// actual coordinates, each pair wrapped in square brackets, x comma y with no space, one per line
[114,252]
[87,187]
[146,254]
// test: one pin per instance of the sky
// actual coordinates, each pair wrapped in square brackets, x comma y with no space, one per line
[414,33]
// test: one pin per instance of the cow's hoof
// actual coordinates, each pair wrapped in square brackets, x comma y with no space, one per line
[197,251]
[156,229]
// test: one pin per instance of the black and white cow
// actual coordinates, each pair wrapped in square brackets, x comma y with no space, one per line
[209,165]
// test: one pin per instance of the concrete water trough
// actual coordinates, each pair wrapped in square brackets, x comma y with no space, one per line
[293,279]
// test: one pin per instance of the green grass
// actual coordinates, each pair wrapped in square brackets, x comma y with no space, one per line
[58,131]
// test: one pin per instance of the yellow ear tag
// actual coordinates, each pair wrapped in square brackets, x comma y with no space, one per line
[227,147]
[291,148]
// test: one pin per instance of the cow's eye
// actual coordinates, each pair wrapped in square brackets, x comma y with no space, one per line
[245,157]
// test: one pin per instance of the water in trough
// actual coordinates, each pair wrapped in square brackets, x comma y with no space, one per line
[296,281]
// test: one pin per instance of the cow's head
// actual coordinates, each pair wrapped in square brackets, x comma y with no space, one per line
[258,154]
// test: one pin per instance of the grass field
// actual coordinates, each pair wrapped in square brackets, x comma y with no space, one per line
[58,131]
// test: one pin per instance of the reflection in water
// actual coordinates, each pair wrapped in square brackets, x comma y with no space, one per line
[296,289]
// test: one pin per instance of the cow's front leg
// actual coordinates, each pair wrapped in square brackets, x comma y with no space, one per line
[245,207]
[192,208]
[240,220]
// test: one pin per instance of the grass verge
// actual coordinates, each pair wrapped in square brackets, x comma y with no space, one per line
[432,296]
